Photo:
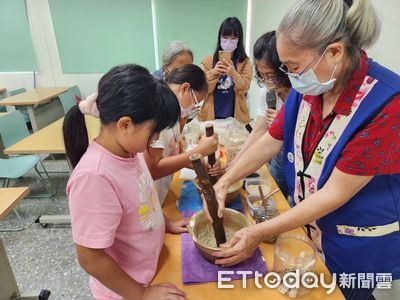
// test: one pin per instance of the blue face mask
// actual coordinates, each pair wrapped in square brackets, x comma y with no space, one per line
[307,83]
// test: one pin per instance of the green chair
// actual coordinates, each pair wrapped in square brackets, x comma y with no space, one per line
[67,100]
[76,93]
[3,108]
[22,109]
[12,130]
[17,91]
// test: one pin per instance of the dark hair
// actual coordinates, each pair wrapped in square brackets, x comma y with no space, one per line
[126,90]
[231,26]
[265,49]
[191,74]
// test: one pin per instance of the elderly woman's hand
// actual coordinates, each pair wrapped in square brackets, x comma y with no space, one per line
[221,189]
[240,247]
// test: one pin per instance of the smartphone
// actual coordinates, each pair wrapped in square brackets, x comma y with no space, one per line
[224,54]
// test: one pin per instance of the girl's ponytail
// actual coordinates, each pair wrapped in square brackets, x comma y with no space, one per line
[75,135]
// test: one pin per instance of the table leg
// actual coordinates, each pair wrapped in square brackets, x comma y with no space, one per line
[31,114]
[8,284]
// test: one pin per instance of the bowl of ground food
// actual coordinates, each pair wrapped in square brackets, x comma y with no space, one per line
[202,232]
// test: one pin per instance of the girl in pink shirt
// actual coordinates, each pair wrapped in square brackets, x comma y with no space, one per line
[117,222]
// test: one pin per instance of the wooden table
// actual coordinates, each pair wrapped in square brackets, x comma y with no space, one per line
[9,198]
[169,269]
[49,140]
[42,103]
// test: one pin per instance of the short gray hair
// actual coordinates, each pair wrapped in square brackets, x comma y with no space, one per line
[174,49]
[317,23]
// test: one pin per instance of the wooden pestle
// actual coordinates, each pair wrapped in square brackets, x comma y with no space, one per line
[211,157]
[207,190]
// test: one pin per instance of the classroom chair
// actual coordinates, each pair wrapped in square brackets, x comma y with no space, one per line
[12,130]
[22,109]
[76,92]
[67,100]
[2,108]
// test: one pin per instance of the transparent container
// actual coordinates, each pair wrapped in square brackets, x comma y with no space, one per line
[234,139]
[257,210]
[251,186]
[294,252]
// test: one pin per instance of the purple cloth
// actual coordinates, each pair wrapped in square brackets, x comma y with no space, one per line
[196,269]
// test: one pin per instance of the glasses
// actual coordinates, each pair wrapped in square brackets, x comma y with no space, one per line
[270,79]
[284,68]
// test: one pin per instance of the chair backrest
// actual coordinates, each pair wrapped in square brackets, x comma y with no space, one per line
[76,93]
[17,91]
[2,108]
[67,100]
[23,110]
[12,128]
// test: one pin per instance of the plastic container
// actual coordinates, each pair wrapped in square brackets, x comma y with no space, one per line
[251,186]
[257,210]
[294,252]
[191,139]
[255,204]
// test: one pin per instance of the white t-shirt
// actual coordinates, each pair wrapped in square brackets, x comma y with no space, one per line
[169,142]
[262,102]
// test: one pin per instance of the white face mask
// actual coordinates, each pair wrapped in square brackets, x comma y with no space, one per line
[308,83]
[186,112]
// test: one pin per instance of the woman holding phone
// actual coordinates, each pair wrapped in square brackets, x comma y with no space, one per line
[229,74]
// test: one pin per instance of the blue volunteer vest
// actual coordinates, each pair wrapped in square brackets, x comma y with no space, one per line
[372,208]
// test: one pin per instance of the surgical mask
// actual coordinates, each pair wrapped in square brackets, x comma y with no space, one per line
[308,83]
[186,112]
[228,44]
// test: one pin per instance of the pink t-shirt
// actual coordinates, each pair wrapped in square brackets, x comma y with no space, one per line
[114,206]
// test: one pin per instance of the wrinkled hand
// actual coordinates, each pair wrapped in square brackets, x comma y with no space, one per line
[220,192]
[239,248]
[271,115]
[163,291]
[176,226]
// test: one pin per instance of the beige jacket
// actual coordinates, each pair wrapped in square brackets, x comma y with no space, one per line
[245,70]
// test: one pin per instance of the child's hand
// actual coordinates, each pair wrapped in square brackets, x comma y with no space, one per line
[208,145]
[215,170]
[163,291]
[178,226]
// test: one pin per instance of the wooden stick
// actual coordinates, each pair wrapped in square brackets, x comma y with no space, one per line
[264,199]
[211,157]
[209,194]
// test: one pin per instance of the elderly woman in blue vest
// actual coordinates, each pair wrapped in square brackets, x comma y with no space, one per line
[340,130]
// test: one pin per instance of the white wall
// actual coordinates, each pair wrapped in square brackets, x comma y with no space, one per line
[50,72]
[265,16]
